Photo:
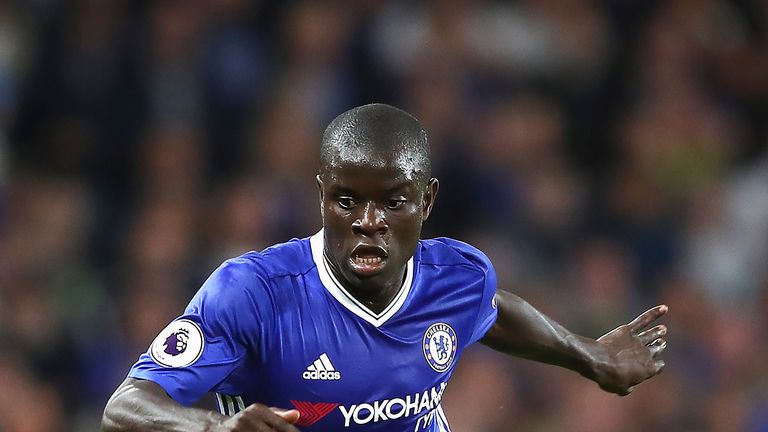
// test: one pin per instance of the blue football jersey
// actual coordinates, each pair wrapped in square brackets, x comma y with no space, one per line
[276,327]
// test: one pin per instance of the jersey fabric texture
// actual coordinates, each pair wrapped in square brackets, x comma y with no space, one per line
[276,327]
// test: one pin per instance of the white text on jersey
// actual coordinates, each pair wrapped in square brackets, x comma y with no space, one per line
[321,369]
[391,409]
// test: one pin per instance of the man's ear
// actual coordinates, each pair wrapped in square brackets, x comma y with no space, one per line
[319,183]
[430,194]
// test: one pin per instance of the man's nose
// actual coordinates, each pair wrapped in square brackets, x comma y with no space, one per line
[370,221]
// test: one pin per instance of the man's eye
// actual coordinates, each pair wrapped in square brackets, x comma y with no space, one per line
[395,204]
[346,202]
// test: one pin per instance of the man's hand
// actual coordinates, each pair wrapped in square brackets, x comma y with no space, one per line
[617,361]
[142,405]
[259,418]
[631,353]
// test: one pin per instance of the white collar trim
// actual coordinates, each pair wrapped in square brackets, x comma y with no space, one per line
[337,290]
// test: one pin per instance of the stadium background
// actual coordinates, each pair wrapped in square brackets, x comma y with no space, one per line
[607,155]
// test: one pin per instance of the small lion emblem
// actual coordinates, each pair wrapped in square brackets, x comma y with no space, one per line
[176,342]
[180,344]
[441,342]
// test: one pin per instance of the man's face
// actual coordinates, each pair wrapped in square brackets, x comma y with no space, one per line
[372,215]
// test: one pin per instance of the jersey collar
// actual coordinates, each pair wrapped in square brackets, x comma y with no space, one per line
[337,290]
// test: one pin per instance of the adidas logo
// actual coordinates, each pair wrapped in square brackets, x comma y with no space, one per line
[321,369]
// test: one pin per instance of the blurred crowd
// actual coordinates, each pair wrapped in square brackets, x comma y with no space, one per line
[607,155]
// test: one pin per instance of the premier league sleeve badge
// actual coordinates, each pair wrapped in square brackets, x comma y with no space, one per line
[180,344]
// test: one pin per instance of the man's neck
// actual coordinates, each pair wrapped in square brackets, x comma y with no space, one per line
[375,299]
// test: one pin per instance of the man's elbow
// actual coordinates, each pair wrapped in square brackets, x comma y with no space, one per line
[115,413]
[110,418]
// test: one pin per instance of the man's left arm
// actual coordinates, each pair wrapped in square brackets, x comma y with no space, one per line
[617,361]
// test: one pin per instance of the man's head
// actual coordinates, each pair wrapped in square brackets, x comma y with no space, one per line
[374,134]
[376,190]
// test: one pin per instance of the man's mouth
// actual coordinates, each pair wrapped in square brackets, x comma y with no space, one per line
[367,260]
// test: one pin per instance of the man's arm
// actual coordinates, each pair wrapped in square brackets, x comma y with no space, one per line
[142,405]
[622,358]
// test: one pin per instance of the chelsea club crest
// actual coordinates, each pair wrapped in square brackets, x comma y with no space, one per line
[440,346]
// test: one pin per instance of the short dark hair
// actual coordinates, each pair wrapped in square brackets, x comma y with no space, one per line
[377,129]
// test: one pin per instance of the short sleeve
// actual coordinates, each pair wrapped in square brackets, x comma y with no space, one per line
[487,311]
[200,349]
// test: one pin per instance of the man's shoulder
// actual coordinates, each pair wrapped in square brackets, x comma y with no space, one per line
[256,275]
[291,258]
[445,251]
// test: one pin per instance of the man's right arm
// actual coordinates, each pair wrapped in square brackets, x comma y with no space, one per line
[142,405]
